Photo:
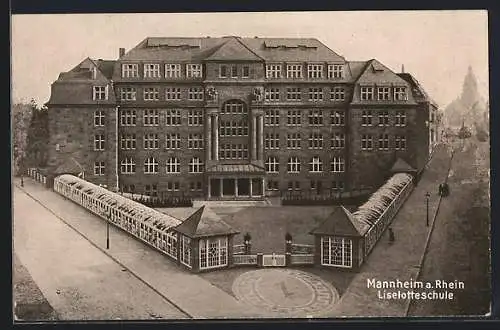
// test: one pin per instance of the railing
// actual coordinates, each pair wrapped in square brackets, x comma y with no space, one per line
[244,259]
[239,249]
[376,230]
[273,260]
[302,249]
[37,176]
[328,197]
[302,259]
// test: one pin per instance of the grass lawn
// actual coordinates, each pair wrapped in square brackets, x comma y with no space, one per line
[268,225]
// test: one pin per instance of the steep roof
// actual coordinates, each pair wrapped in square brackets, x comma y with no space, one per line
[233,49]
[376,72]
[417,89]
[401,166]
[199,224]
[70,166]
[340,222]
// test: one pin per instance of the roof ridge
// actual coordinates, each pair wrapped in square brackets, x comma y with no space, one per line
[244,45]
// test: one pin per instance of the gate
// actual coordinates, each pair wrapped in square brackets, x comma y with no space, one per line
[273,260]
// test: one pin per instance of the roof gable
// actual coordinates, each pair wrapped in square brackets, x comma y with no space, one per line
[377,73]
[231,50]
[340,222]
[70,166]
[200,224]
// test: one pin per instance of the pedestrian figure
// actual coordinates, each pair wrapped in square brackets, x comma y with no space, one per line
[391,236]
[22,182]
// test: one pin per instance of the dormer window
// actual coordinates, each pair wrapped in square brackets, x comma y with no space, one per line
[400,94]
[223,71]
[335,71]
[315,70]
[130,71]
[151,70]
[193,71]
[273,71]
[294,71]
[100,93]
[172,70]
[367,93]
[383,93]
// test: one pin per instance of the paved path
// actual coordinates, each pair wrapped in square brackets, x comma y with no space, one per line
[191,293]
[78,280]
[400,260]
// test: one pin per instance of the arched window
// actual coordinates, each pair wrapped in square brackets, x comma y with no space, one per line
[128,165]
[293,165]
[338,164]
[272,165]
[195,165]
[150,165]
[315,165]
[173,165]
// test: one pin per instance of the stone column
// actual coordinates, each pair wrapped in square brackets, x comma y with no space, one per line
[263,187]
[236,187]
[261,138]
[250,187]
[254,137]
[208,138]
[216,137]
[220,186]
[208,191]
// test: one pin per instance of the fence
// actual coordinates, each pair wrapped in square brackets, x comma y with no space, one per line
[302,249]
[37,175]
[329,198]
[302,259]
[274,260]
[239,249]
[375,232]
[244,259]
[164,201]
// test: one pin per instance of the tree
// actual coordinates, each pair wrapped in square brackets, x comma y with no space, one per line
[21,117]
[38,137]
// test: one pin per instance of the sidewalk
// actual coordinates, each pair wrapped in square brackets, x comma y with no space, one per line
[401,260]
[191,293]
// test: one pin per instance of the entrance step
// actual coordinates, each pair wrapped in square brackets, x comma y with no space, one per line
[231,203]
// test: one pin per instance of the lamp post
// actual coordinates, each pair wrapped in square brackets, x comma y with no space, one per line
[107,230]
[427,195]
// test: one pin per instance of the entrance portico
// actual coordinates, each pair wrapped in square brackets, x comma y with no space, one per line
[235,182]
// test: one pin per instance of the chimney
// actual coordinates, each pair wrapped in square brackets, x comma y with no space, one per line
[121,53]
[402,68]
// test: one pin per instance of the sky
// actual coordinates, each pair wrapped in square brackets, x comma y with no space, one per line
[437,47]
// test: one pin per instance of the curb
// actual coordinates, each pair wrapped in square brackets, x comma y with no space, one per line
[107,254]
[429,235]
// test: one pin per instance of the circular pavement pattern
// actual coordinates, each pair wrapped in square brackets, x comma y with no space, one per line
[285,292]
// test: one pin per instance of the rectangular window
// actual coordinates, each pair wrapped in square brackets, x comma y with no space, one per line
[99,168]
[336,251]
[337,118]
[400,94]
[273,185]
[99,118]
[294,71]
[195,93]
[99,141]
[315,70]
[367,93]
[234,71]
[193,70]
[383,118]
[195,141]
[293,94]
[383,93]
[151,190]
[172,70]
[337,94]
[128,166]
[315,141]
[100,93]
[272,94]
[223,71]
[151,141]
[151,117]
[400,118]
[128,93]
[366,118]
[246,72]
[337,185]
[152,71]
[383,142]
[400,142]
[172,141]
[173,186]
[293,141]
[293,185]
[233,128]
[272,165]
[338,141]
[272,141]
[195,117]
[233,151]
[151,94]
[293,165]
[272,117]
[335,71]
[273,71]
[315,117]
[366,142]
[213,252]
[293,118]
[173,94]
[128,117]
[315,94]
[128,142]
[173,117]
[130,71]
[195,186]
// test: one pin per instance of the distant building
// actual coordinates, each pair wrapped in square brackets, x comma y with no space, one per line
[236,117]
